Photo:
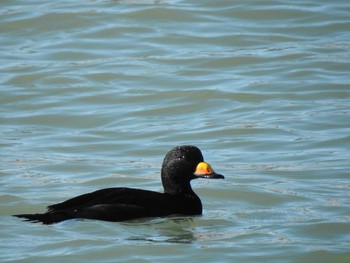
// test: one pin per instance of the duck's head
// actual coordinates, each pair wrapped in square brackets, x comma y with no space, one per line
[182,164]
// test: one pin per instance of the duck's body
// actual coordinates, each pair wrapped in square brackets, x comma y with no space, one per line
[119,204]
[180,166]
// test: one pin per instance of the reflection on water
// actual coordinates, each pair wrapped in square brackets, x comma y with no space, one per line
[171,230]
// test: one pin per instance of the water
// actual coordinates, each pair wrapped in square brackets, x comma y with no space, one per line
[93,94]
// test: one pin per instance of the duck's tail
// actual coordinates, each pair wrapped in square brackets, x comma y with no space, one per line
[46,218]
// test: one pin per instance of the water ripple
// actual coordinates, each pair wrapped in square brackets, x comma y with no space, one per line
[94,94]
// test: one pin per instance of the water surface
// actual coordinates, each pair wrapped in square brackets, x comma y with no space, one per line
[93,94]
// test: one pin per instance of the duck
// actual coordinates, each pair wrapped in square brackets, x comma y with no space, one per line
[180,166]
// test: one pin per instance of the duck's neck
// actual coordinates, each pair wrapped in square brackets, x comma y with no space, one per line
[177,189]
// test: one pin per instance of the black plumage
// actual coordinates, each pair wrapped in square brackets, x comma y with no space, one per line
[181,164]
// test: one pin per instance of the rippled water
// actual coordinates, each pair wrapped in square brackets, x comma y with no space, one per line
[93,94]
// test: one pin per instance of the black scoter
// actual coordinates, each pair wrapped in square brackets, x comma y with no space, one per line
[181,164]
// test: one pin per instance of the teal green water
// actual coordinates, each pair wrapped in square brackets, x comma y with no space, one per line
[93,94]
